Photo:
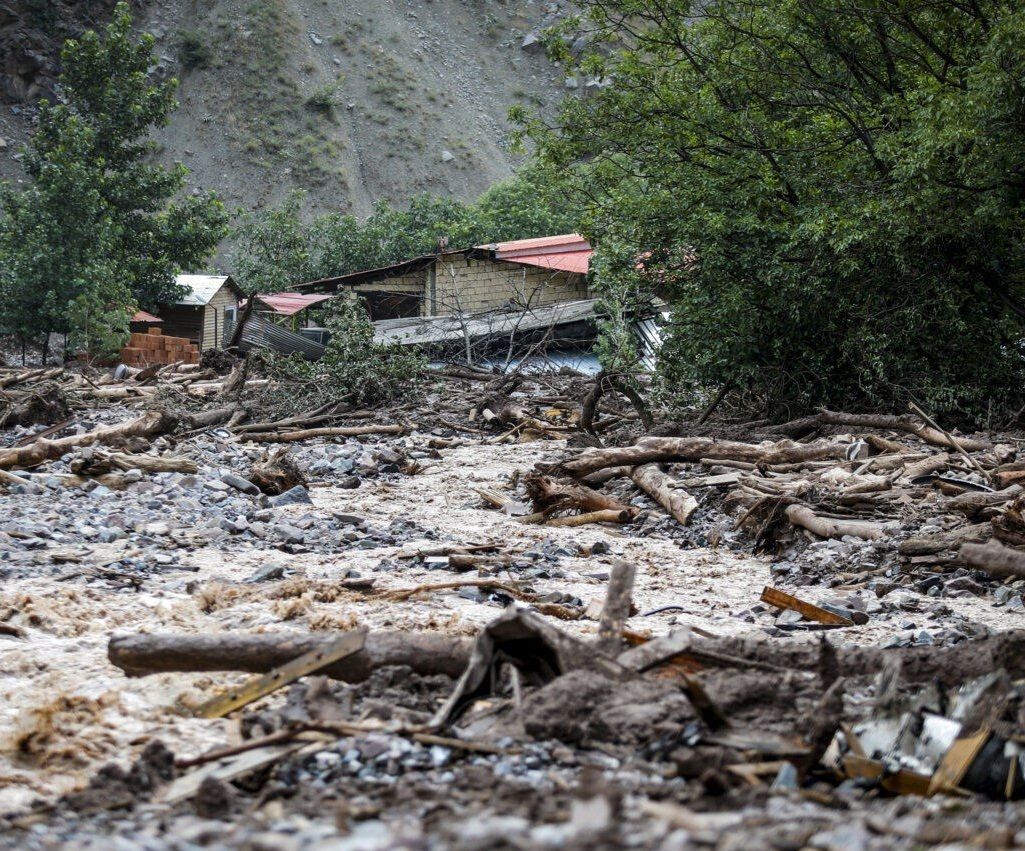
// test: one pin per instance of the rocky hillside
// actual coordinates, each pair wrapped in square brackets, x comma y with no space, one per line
[355,101]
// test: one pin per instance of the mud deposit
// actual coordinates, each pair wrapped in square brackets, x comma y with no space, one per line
[586,759]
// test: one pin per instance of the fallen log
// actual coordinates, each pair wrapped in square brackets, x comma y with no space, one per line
[550,497]
[801,515]
[434,653]
[95,463]
[426,653]
[150,424]
[908,425]
[972,504]
[693,449]
[606,516]
[950,540]
[39,374]
[656,484]
[309,433]
[995,559]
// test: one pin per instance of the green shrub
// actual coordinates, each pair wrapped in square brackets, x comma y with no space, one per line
[354,368]
[193,51]
[323,99]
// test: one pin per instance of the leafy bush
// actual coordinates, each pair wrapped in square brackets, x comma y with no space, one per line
[849,178]
[193,51]
[354,367]
[323,99]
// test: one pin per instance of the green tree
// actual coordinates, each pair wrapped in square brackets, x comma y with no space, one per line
[100,226]
[277,249]
[829,194]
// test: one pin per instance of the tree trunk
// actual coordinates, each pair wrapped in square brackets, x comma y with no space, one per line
[656,484]
[426,653]
[692,449]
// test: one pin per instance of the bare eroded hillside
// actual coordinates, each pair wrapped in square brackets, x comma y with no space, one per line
[354,102]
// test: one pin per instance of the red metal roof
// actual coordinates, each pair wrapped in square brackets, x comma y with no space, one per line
[143,316]
[287,304]
[568,252]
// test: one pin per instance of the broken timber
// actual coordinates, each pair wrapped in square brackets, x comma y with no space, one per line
[308,663]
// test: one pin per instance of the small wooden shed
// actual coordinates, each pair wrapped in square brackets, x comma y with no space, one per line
[201,315]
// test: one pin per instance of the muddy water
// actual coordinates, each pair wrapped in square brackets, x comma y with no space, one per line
[64,710]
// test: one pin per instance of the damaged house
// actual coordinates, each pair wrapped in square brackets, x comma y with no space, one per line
[204,312]
[526,273]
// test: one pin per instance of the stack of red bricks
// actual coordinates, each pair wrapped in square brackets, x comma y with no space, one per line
[154,347]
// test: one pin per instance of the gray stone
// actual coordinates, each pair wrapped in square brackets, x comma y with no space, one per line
[289,534]
[265,573]
[294,496]
[107,535]
[240,484]
[532,43]
[447,156]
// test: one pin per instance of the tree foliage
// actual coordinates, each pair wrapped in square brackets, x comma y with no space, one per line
[95,232]
[829,194]
[354,367]
[277,248]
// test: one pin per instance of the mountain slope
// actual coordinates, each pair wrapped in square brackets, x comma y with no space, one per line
[354,102]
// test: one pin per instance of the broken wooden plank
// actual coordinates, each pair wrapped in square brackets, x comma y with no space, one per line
[957,760]
[261,686]
[900,782]
[617,607]
[782,600]
[231,768]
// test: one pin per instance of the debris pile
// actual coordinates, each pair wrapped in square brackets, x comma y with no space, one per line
[481,623]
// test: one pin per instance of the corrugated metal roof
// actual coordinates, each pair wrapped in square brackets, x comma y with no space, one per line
[143,316]
[202,288]
[287,304]
[568,252]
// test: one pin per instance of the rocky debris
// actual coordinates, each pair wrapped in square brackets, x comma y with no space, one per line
[726,741]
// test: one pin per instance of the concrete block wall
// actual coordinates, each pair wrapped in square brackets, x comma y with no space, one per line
[473,286]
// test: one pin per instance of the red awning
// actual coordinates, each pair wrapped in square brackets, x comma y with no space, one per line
[143,316]
[567,253]
[287,304]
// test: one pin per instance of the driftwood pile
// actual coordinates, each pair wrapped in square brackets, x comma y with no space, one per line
[518,657]
[176,400]
[880,476]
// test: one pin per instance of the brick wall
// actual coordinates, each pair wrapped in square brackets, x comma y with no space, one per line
[155,347]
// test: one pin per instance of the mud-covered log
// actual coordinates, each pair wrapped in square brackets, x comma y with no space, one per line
[949,540]
[46,404]
[995,559]
[426,653]
[309,433]
[693,449]
[827,527]
[551,496]
[434,653]
[908,425]
[656,484]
